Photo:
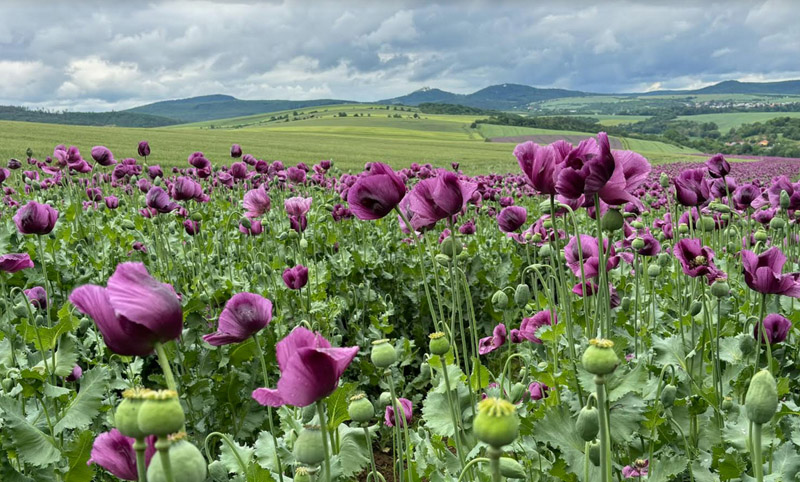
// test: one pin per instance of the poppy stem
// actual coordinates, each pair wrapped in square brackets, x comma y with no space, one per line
[269,408]
[141,466]
[323,423]
[163,361]
[162,445]
[758,462]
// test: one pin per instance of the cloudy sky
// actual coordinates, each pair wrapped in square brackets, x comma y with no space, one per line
[84,55]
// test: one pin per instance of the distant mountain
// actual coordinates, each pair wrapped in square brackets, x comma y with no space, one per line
[425,95]
[116,118]
[787,87]
[494,97]
[210,107]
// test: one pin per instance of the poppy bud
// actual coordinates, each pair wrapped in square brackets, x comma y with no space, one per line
[720,289]
[161,413]
[664,259]
[425,370]
[536,238]
[303,243]
[360,408]
[496,423]
[683,228]
[127,224]
[760,235]
[186,461]
[511,469]
[668,395]
[654,271]
[626,303]
[664,180]
[544,251]
[500,300]
[246,223]
[383,354]
[157,181]
[600,357]
[695,308]
[8,384]
[126,417]
[385,399]
[707,224]
[594,453]
[697,405]
[451,247]
[442,259]
[197,217]
[518,392]
[727,404]
[548,224]
[308,448]
[746,345]
[588,423]
[612,220]
[308,413]
[637,243]
[522,294]
[637,225]
[439,344]
[29,152]
[720,207]
[785,200]
[761,401]
[777,223]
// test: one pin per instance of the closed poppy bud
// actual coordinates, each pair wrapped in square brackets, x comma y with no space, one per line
[308,448]
[600,357]
[442,259]
[664,180]
[497,422]
[522,294]
[511,469]
[695,308]
[383,354]
[746,345]
[720,289]
[637,225]
[588,423]
[518,392]
[360,408]
[761,401]
[785,200]
[626,303]
[668,395]
[707,224]
[161,413]
[196,217]
[500,300]
[720,207]
[544,251]
[697,405]
[439,344]
[451,247]
[186,461]
[760,235]
[777,223]
[654,271]
[637,243]
[594,453]
[303,243]
[536,238]
[612,220]
[246,223]
[664,259]
[308,413]
[385,399]
[683,228]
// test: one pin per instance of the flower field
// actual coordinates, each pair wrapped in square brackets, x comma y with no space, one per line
[589,317]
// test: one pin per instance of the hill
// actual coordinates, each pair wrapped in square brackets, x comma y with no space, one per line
[210,107]
[787,87]
[494,97]
[116,118]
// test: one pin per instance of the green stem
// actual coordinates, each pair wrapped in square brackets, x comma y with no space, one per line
[163,362]
[368,438]
[456,431]
[141,467]
[494,463]
[323,423]
[758,462]
[422,270]
[399,414]
[605,452]
[269,408]
[162,445]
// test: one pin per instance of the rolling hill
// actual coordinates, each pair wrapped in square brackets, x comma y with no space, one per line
[787,87]
[494,97]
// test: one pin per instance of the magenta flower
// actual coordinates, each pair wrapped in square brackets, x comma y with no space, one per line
[590,288]
[744,196]
[37,296]
[159,200]
[438,198]
[297,206]
[256,202]
[103,156]
[718,166]
[114,452]
[244,315]
[297,176]
[75,374]
[236,151]
[310,369]
[697,260]
[186,188]
[467,228]
[376,192]
[296,278]
[776,326]
[155,171]
[637,470]
[538,390]
[134,312]
[112,202]
[11,263]
[691,187]
[255,228]
[528,327]
[408,412]
[542,164]
[144,148]
[35,218]
[492,343]
[512,218]
[590,253]
[763,273]
[239,170]
[191,227]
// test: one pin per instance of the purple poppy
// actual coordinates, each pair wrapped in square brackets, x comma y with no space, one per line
[245,314]
[186,188]
[744,196]
[112,202]
[114,452]
[159,200]
[134,312]
[408,412]
[35,218]
[691,187]
[763,273]
[376,192]
[438,198]
[637,470]
[529,326]
[103,156]
[254,229]
[94,194]
[467,228]
[512,218]
[144,148]
[590,253]
[299,224]
[590,288]
[718,166]
[236,151]
[256,202]
[492,343]
[538,390]
[75,374]
[776,326]
[4,174]
[155,171]
[697,260]
[296,278]
[239,170]
[37,296]
[198,160]
[297,206]
[11,263]
[296,175]
[310,369]
[542,164]
[191,227]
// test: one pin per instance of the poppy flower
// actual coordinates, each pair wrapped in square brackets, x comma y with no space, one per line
[492,343]
[11,263]
[697,260]
[528,327]
[538,390]
[159,200]
[185,188]
[310,369]
[103,156]
[245,314]
[691,187]
[256,202]
[134,312]
[35,218]
[590,254]
[296,278]
[541,165]
[376,192]
[75,374]
[37,296]
[144,148]
[114,452]
[637,470]
[438,198]
[236,151]
[776,326]
[512,218]
[408,412]
[763,273]
[718,166]
[297,206]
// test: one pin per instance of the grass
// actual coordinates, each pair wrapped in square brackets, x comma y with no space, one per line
[728,120]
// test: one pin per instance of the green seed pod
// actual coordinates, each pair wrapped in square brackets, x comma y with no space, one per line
[308,448]
[161,413]
[594,453]
[126,417]
[548,224]
[497,422]
[518,392]
[761,401]
[600,357]
[720,289]
[786,201]
[360,408]
[544,251]
[727,404]
[451,247]
[637,225]
[664,181]
[157,181]
[683,228]
[664,259]
[522,294]
[637,243]
[302,474]
[654,271]
[777,224]
[308,413]
[383,354]
[588,423]
[612,220]
[707,224]
[511,469]
[188,464]
[127,224]
[197,217]
[439,344]
[695,308]
[385,399]
[760,235]
[536,238]
[668,395]
[442,259]
[747,344]
[303,243]
[499,300]
[425,370]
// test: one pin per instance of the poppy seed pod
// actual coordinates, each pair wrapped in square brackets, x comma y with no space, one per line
[360,408]
[664,259]
[126,417]
[497,422]
[668,395]
[600,357]
[308,448]
[761,401]
[301,474]
[594,453]
[777,223]
[161,413]
[654,271]
[588,423]
[720,289]
[439,344]
[612,220]
[683,228]
[451,247]
[383,354]
[707,224]
[499,300]
[637,243]
[186,461]
[760,235]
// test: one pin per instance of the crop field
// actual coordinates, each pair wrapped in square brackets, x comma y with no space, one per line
[729,120]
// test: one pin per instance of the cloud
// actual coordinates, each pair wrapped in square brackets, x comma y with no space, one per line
[100,55]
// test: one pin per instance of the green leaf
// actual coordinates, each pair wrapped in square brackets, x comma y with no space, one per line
[558,428]
[625,415]
[353,453]
[702,474]
[437,415]
[337,405]
[78,454]
[786,462]
[485,376]
[31,444]
[666,468]
[670,351]
[227,455]
[86,405]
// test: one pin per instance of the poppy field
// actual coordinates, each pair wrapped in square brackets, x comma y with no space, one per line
[588,317]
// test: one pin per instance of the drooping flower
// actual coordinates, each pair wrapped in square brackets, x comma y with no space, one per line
[114,452]
[159,200]
[376,192]
[408,412]
[697,260]
[438,198]
[35,218]
[528,327]
[296,278]
[776,326]
[191,226]
[764,273]
[297,206]
[310,369]
[103,156]
[134,312]
[256,202]
[718,166]
[37,296]
[11,263]
[512,218]
[492,343]
[538,390]
[245,314]
[691,187]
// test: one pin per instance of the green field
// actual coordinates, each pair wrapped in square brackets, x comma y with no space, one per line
[728,120]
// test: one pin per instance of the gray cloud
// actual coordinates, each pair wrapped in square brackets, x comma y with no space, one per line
[103,55]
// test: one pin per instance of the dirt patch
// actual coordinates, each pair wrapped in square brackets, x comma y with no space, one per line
[550,138]
[383,461]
